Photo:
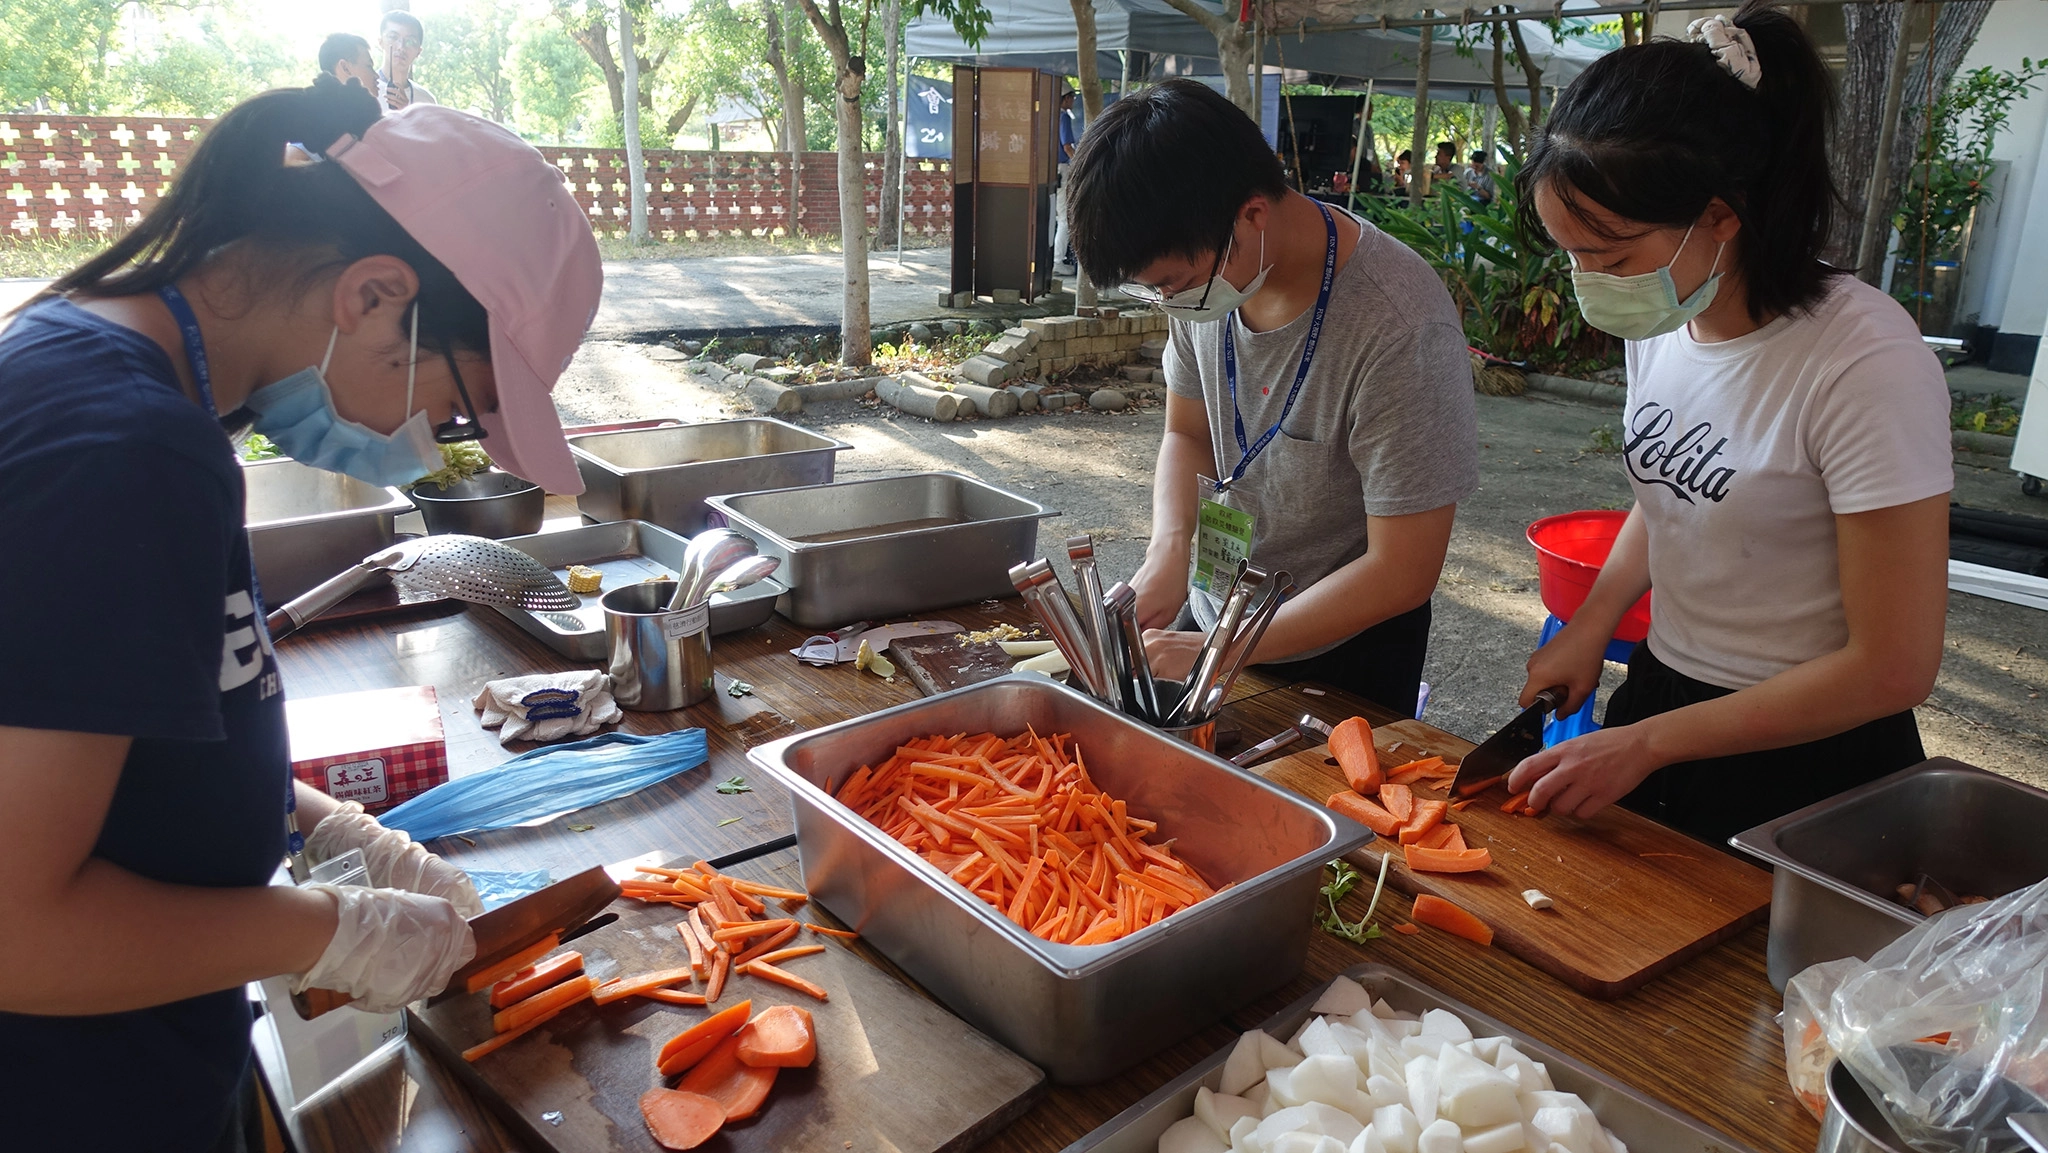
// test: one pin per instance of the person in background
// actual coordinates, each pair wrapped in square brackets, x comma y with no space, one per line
[346,57]
[1478,179]
[1070,135]
[1786,435]
[1320,417]
[1404,171]
[1446,165]
[402,35]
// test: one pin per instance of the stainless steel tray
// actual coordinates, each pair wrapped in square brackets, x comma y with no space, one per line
[307,524]
[626,552]
[1082,1012]
[872,549]
[1645,1124]
[1835,863]
[662,474]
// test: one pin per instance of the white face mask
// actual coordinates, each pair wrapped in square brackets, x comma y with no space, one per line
[1222,297]
[1640,307]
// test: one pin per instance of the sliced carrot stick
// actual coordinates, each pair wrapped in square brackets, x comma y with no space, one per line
[1364,812]
[842,934]
[750,930]
[715,1028]
[1427,860]
[534,978]
[783,977]
[780,955]
[675,997]
[689,934]
[558,997]
[727,902]
[678,1120]
[1428,814]
[781,938]
[781,1036]
[1461,806]
[475,1052]
[514,963]
[1515,802]
[757,889]
[1437,912]
[724,1078]
[704,941]
[620,988]
[1351,744]
[721,965]
[1398,800]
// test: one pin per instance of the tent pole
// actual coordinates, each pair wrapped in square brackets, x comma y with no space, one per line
[1123,69]
[1364,134]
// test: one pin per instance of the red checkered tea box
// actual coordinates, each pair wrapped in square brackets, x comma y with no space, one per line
[378,747]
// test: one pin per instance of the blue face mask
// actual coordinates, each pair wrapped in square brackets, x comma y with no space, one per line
[298,414]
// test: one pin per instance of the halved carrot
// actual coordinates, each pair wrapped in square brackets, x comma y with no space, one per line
[675,997]
[842,934]
[679,1120]
[619,988]
[724,1078]
[1351,744]
[534,978]
[769,945]
[783,977]
[781,955]
[781,1036]
[485,1049]
[1437,912]
[1407,930]
[513,963]
[1398,800]
[1423,860]
[558,997]
[1364,812]
[717,1027]
[1428,815]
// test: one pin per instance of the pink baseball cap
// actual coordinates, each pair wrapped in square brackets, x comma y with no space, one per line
[492,209]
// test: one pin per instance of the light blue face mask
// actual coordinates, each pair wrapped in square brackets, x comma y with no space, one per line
[1642,306]
[298,414]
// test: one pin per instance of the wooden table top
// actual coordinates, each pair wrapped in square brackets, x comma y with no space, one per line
[1701,1038]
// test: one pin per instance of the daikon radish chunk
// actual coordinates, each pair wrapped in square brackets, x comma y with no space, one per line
[1294,1038]
[1243,1069]
[1422,1089]
[1337,1124]
[1385,1091]
[1397,1127]
[1473,1094]
[1343,998]
[1220,1111]
[1318,1041]
[1261,1097]
[1353,1044]
[1330,1080]
[1388,1061]
[1368,1141]
[1383,1010]
[1052,664]
[1423,1045]
[1276,1124]
[1373,1026]
[1501,1139]
[1191,1135]
[1614,1144]
[1241,1131]
[1487,1048]
[1567,1130]
[1299,1142]
[1280,1088]
[1274,1055]
[1445,1024]
[1440,1136]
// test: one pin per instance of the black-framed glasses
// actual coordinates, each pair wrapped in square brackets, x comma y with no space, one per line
[1151,294]
[458,428]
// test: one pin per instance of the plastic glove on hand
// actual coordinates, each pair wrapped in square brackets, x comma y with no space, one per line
[389,948]
[395,861]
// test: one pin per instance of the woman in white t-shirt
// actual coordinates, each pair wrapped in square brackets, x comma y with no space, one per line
[1786,435]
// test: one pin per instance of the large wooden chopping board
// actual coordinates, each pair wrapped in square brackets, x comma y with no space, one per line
[896,1073]
[1633,898]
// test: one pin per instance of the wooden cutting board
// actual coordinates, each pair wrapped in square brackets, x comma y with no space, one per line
[896,1073]
[1633,898]
[938,664]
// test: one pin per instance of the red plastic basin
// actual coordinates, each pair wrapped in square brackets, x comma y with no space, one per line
[1570,548]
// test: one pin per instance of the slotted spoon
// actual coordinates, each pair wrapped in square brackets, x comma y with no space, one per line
[465,568]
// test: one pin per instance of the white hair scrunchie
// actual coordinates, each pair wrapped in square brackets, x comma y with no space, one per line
[1730,45]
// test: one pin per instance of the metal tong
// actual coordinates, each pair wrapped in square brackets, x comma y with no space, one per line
[1104,652]
[1041,588]
[1209,660]
[1141,693]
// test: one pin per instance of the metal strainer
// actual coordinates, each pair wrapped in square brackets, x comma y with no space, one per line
[465,568]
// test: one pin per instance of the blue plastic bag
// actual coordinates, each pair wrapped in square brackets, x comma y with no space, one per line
[495,888]
[549,781]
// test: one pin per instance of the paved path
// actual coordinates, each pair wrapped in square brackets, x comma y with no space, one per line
[704,294]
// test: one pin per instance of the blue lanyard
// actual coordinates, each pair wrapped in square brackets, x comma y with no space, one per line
[1249,452]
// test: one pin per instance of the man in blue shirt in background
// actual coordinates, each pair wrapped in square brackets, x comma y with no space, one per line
[1070,135]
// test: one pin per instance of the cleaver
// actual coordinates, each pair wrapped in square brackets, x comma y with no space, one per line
[1498,755]
[501,933]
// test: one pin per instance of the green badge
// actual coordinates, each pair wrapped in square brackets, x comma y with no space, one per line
[1223,537]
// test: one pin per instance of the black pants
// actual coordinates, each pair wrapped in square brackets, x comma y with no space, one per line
[1718,798]
[1383,664]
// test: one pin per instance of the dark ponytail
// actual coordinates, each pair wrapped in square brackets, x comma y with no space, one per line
[307,218]
[1654,132]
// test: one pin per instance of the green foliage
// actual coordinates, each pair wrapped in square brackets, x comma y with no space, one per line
[256,446]
[1953,164]
[1993,414]
[1515,296]
[468,58]
[460,461]
[552,79]
[229,62]
[75,55]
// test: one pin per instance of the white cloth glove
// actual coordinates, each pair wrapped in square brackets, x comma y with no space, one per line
[389,948]
[392,858]
[548,706]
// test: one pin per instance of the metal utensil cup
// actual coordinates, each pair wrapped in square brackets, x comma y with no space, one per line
[1200,733]
[660,660]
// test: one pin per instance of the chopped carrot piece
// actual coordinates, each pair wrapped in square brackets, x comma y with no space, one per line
[675,997]
[749,930]
[534,978]
[1437,838]
[842,934]
[1437,912]
[783,977]
[618,989]
[1427,860]
[734,1084]
[475,1052]
[1351,744]
[780,955]
[678,1120]
[1428,814]
[756,889]
[513,963]
[721,965]
[689,934]
[715,1028]
[1398,800]
[558,997]
[1364,812]
[782,937]
[1515,802]
[1461,806]
[1407,929]
[781,1036]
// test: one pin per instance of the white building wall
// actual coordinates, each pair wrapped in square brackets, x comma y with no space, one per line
[2013,297]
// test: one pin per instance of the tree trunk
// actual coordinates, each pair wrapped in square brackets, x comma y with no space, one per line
[636,164]
[785,41]
[892,141]
[1874,226]
[597,44]
[1418,169]
[681,116]
[1534,74]
[856,346]
[1233,51]
[1508,107]
[1085,71]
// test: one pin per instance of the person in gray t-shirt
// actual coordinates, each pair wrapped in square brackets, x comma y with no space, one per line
[1350,480]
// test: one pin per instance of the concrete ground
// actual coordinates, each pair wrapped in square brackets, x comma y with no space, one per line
[706,294]
[1538,459]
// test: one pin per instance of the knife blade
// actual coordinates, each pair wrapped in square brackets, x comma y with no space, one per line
[504,931]
[1498,754]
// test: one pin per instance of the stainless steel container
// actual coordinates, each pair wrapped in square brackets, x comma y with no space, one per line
[1838,863]
[660,660]
[1855,1123]
[1084,1013]
[492,504]
[306,524]
[1201,734]
[626,552]
[1640,1121]
[867,549]
[663,474]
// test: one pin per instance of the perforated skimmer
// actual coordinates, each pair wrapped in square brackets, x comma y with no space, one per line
[465,568]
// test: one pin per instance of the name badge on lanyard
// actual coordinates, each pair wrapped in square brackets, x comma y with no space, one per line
[1223,537]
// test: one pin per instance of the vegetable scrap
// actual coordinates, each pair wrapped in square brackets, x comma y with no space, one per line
[870,660]
[1439,913]
[739,689]
[1537,899]
[581,828]
[1019,823]
[583,579]
[734,785]
[1343,879]
[998,632]
[730,821]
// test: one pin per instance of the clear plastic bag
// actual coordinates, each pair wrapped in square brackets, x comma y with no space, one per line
[547,782]
[1807,1052]
[1948,1025]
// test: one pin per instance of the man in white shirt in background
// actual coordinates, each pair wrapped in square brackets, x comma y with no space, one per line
[402,35]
